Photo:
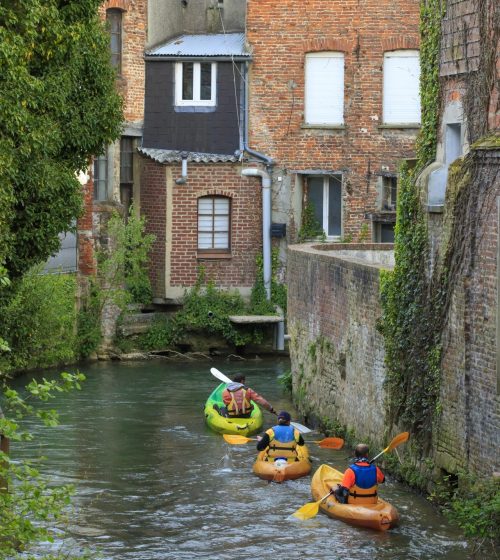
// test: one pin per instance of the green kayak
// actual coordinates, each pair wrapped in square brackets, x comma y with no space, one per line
[223,425]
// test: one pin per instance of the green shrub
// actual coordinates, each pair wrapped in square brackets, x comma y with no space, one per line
[38,321]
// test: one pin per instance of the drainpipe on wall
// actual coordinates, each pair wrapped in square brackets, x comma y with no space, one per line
[266,222]
[184,170]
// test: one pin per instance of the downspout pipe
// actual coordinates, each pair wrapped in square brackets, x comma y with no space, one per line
[266,222]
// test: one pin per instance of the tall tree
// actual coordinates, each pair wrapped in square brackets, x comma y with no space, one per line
[58,107]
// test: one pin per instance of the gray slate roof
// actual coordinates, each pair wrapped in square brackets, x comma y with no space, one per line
[220,45]
[175,156]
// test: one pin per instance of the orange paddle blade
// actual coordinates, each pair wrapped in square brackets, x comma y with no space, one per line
[398,440]
[331,443]
[235,439]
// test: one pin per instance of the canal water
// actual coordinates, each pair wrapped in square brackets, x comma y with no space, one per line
[153,482]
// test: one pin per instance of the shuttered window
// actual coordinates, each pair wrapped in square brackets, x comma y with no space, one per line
[213,224]
[401,87]
[324,90]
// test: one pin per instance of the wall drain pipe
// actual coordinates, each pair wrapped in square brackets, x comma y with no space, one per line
[266,223]
[184,170]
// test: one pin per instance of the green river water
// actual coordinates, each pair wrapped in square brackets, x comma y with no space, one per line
[153,482]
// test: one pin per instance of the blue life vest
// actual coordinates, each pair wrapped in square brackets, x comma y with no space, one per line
[284,434]
[366,476]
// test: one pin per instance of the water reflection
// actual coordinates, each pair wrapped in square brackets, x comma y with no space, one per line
[154,482]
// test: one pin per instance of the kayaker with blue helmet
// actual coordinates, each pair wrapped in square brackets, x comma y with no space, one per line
[281,440]
[360,481]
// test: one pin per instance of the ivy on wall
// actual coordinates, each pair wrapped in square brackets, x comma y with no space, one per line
[411,302]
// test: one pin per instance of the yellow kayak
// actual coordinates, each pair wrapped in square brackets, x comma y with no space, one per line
[223,425]
[380,516]
[281,469]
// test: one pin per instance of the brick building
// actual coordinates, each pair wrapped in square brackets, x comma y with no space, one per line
[468,435]
[202,212]
[334,102]
[113,179]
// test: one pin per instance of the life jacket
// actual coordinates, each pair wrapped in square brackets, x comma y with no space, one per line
[282,442]
[239,404]
[364,490]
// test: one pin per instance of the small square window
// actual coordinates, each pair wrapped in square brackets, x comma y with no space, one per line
[195,83]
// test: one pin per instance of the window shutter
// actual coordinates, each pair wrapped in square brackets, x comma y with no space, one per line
[324,91]
[401,87]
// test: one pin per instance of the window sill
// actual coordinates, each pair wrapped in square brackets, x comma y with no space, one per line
[404,126]
[195,108]
[213,256]
[324,126]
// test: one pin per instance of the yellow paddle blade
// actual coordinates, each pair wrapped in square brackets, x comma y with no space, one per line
[331,443]
[397,440]
[235,439]
[307,511]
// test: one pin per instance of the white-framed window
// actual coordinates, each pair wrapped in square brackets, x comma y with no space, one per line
[324,193]
[214,224]
[101,180]
[324,88]
[195,83]
[401,94]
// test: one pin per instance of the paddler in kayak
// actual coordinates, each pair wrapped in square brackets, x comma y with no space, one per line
[360,481]
[238,399]
[282,439]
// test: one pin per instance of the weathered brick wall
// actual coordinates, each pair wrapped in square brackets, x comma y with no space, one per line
[203,179]
[468,435]
[153,203]
[336,352]
[363,32]
[134,29]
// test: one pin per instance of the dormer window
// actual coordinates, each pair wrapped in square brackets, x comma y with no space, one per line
[195,83]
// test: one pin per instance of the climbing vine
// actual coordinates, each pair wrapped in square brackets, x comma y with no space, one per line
[411,303]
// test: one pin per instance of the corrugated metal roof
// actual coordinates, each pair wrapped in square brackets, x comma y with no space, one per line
[215,45]
[175,156]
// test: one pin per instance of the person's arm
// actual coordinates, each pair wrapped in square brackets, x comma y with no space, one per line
[263,443]
[298,438]
[380,476]
[349,478]
[226,397]
[253,396]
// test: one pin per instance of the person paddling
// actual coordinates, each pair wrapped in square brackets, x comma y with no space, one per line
[238,399]
[281,440]
[360,481]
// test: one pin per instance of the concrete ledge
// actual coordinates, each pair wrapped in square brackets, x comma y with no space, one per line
[254,319]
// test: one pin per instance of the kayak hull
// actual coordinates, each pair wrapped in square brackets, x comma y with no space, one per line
[380,516]
[274,472]
[222,425]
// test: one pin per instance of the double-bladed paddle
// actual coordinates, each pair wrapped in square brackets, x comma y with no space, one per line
[326,443]
[311,509]
[225,379]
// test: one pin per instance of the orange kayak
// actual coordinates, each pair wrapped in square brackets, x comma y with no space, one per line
[281,470]
[380,516]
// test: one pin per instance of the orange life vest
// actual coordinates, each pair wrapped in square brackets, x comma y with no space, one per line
[240,405]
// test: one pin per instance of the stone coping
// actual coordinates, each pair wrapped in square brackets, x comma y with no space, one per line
[254,319]
[374,255]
